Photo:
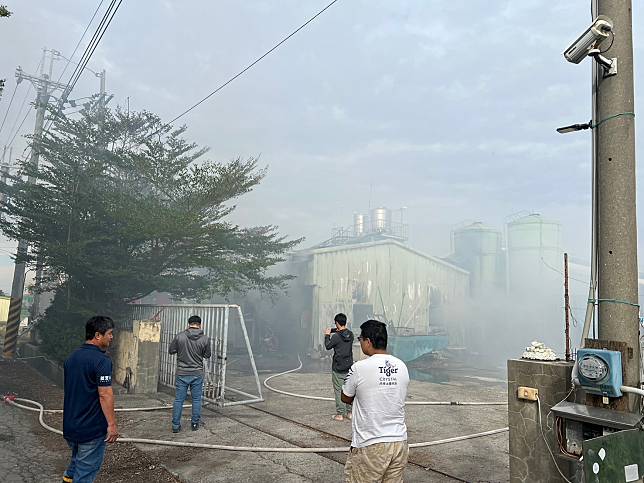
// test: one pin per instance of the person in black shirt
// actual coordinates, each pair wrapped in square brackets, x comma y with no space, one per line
[88,417]
[341,341]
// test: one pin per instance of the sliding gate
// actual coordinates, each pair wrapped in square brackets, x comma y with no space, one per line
[215,322]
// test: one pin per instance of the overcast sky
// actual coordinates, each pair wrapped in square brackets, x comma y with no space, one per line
[447,108]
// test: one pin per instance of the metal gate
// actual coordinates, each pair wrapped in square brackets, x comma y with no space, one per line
[215,324]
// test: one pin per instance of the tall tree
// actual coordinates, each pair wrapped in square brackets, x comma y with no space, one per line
[122,205]
[4,12]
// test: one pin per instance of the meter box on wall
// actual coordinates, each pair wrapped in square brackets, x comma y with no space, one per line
[600,371]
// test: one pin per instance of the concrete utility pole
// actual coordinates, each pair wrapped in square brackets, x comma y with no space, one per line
[617,226]
[44,87]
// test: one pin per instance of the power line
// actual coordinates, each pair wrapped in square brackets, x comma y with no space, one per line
[89,24]
[93,44]
[251,65]
[19,127]
[22,105]
[87,54]
[562,273]
[8,107]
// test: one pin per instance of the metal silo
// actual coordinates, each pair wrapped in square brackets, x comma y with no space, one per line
[359,224]
[380,220]
[534,254]
[477,248]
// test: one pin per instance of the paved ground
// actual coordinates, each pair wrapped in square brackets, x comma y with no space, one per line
[280,421]
[30,454]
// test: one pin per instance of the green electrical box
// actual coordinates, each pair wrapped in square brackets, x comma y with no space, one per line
[614,458]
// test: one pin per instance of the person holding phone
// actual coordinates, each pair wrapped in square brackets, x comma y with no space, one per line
[340,339]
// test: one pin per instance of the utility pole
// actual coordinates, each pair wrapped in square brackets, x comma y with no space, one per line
[44,87]
[618,313]
[5,166]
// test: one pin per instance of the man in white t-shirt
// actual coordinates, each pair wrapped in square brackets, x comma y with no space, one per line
[377,388]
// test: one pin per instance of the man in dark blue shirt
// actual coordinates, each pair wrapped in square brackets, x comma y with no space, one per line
[88,418]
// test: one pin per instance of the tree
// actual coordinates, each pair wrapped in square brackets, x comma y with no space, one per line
[122,205]
[4,12]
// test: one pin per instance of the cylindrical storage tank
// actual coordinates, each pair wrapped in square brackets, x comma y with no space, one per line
[477,248]
[380,220]
[534,255]
[359,224]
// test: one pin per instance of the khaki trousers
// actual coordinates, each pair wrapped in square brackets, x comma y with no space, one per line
[380,462]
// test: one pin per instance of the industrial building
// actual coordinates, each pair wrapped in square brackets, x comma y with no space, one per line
[367,271]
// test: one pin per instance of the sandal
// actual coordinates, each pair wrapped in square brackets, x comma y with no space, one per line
[337,417]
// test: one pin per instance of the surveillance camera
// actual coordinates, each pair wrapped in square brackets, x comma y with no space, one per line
[595,34]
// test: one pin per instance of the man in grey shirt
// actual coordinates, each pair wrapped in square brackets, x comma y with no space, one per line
[192,346]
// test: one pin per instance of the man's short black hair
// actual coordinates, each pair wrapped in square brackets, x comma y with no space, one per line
[98,323]
[341,319]
[194,320]
[376,332]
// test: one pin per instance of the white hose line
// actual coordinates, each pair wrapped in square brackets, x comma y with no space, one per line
[118,410]
[408,403]
[253,449]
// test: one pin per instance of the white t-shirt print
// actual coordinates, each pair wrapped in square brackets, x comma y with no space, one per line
[379,385]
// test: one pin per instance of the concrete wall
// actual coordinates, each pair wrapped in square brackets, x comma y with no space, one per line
[4,315]
[530,460]
[135,357]
[401,284]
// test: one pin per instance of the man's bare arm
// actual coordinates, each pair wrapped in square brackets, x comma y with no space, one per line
[106,397]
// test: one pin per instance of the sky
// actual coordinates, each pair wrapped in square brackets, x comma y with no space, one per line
[446,108]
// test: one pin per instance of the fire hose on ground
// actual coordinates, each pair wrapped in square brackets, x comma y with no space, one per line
[39,408]
[408,403]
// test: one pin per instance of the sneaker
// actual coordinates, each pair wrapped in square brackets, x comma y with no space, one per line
[177,429]
[337,417]
[194,426]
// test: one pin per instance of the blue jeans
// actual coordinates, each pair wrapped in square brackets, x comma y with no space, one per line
[86,461]
[196,391]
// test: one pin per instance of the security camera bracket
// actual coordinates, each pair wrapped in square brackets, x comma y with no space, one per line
[609,66]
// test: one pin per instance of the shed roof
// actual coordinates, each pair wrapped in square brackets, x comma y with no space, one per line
[356,246]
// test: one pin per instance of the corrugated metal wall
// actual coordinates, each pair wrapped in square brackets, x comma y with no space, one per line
[401,285]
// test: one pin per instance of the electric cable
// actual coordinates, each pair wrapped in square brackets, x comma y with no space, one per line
[89,24]
[543,435]
[96,39]
[8,107]
[87,54]
[15,401]
[22,105]
[408,403]
[547,265]
[614,116]
[19,127]
[249,66]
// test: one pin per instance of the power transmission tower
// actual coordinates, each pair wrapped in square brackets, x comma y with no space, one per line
[44,88]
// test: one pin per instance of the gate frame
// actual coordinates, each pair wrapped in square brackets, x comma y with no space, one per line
[219,360]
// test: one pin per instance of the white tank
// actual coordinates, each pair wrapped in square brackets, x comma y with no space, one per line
[534,254]
[477,248]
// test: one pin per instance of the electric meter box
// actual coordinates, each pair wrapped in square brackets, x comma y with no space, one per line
[600,371]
